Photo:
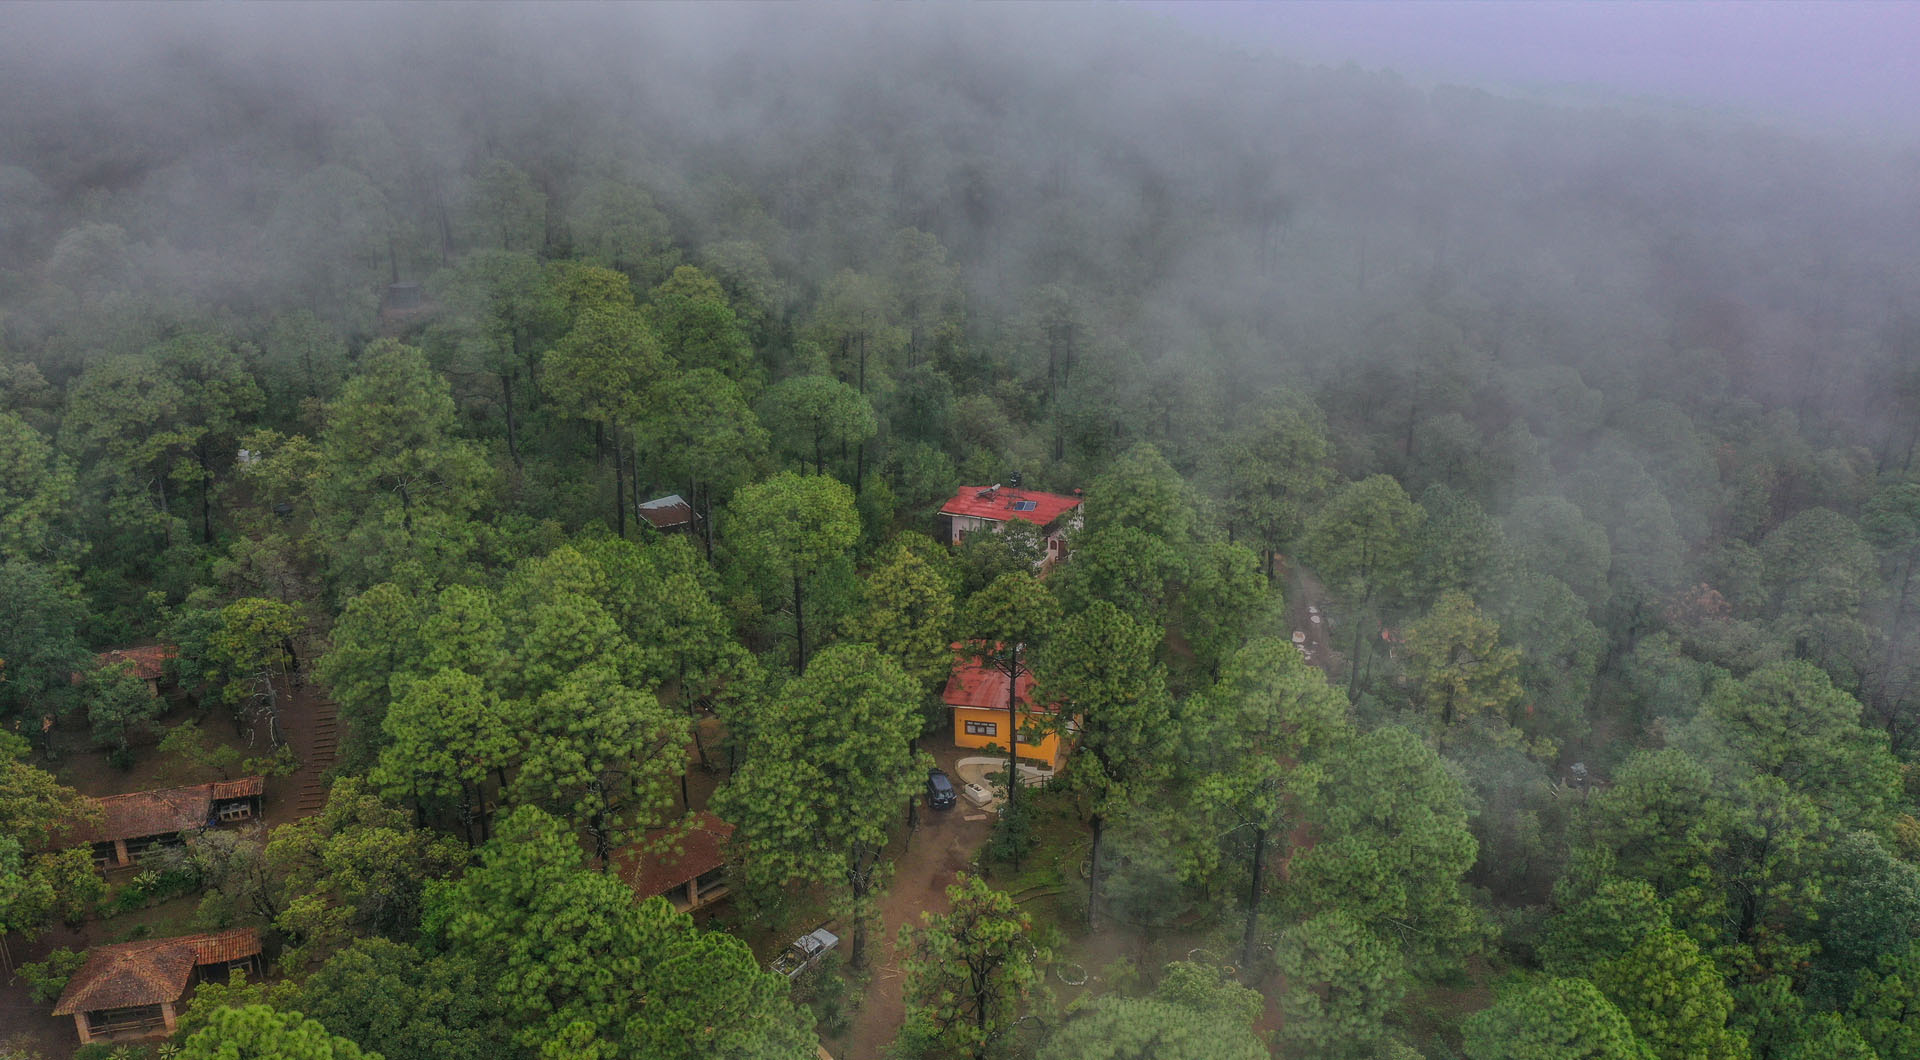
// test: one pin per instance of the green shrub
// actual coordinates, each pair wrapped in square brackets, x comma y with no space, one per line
[48,978]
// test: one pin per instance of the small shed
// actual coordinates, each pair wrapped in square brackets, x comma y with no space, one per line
[133,826]
[147,662]
[132,990]
[691,875]
[670,514]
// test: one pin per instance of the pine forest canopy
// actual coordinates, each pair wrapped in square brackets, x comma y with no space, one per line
[340,349]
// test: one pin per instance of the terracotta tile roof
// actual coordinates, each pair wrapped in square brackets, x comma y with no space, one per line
[239,789]
[145,813]
[219,947]
[668,511]
[149,661]
[1000,505]
[150,971]
[976,684]
[702,847]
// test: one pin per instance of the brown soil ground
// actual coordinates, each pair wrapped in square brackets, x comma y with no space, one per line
[925,863]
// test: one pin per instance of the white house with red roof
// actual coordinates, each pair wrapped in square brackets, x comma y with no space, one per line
[977,507]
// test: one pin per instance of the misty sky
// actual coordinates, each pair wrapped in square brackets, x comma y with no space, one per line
[1845,63]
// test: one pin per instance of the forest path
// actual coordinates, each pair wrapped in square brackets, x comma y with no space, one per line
[312,724]
[942,847]
[1303,590]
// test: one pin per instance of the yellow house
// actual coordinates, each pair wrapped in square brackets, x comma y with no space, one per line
[977,694]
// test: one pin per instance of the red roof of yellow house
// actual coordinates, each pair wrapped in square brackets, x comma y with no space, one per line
[976,684]
[150,971]
[1000,505]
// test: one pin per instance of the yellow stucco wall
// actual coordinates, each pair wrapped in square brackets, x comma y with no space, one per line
[1046,750]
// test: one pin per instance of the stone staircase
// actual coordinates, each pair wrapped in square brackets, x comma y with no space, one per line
[316,758]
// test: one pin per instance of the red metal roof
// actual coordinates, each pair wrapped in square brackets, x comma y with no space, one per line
[976,684]
[149,662]
[700,848]
[150,971]
[668,511]
[1000,505]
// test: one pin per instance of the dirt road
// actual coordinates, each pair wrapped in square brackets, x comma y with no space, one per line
[942,847]
[1304,592]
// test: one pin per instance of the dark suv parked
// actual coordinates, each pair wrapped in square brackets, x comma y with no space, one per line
[939,790]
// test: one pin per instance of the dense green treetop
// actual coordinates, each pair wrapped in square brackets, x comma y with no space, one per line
[1552,1019]
[259,1032]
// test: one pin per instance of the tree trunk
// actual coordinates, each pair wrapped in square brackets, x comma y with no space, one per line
[1353,670]
[799,630]
[619,483]
[857,882]
[1093,868]
[1254,889]
[513,433]
[206,496]
[602,849]
[474,795]
[708,501]
[1013,732]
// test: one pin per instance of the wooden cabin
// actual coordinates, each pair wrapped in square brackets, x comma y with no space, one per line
[133,990]
[147,662]
[691,874]
[133,826]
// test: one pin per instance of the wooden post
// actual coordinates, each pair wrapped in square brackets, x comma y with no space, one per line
[80,1025]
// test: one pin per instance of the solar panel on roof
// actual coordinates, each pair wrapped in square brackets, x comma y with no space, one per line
[1025,506]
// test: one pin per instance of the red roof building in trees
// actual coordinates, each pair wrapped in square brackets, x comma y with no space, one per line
[975,507]
[977,694]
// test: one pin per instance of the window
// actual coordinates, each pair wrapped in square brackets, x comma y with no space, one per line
[983,728]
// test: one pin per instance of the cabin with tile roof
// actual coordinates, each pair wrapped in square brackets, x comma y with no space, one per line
[692,874]
[133,990]
[133,826]
[148,662]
